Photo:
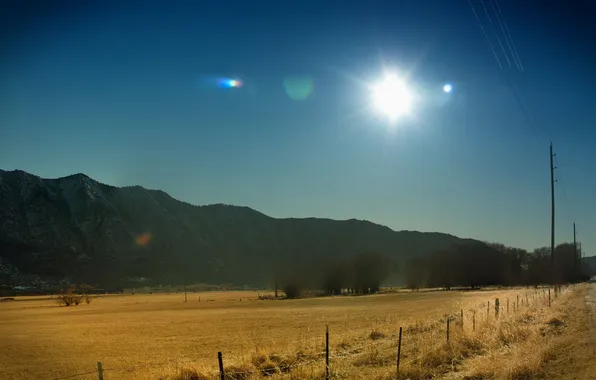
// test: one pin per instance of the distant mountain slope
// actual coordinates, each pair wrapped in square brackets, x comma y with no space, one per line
[79,228]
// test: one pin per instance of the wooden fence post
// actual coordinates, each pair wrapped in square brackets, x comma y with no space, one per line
[474,321]
[100,370]
[327,374]
[507,306]
[398,350]
[527,303]
[487,310]
[517,305]
[221,369]
[462,319]
[497,306]
[549,297]
[448,330]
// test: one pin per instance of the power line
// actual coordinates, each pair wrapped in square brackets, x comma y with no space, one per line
[497,35]
[516,55]
[498,16]
[528,114]
[485,35]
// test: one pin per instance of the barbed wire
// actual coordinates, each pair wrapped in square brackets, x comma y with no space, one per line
[75,375]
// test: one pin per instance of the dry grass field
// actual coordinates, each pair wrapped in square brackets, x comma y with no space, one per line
[158,336]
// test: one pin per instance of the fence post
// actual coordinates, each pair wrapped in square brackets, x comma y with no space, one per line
[527,303]
[507,306]
[100,370]
[474,321]
[462,319]
[549,297]
[448,330]
[327,374]
[487,310]
[398,350]
[517,306]
[221,369]
[497,306]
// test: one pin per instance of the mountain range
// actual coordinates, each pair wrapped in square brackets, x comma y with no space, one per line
[79,229]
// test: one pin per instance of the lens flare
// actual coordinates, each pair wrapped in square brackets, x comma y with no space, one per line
[298,87]
[230,83]
[143,239]
[447,88]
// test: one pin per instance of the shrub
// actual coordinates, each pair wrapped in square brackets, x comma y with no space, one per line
[68,298]
[374,335]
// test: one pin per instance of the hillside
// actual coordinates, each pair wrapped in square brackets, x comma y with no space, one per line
[77,228]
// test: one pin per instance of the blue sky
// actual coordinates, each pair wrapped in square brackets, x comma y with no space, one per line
[127,93]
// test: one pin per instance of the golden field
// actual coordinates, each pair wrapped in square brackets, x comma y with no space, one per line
[158,336]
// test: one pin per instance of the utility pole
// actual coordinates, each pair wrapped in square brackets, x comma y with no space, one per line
[552,213]
[582,258]
[576,259]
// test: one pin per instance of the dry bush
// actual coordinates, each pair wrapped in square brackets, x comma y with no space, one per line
[375,334]
[69,298]
[88,299]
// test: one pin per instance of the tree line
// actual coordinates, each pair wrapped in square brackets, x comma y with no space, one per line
[362,274]
[485,264]
[472,265]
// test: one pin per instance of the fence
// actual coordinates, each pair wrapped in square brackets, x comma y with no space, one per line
[325,359]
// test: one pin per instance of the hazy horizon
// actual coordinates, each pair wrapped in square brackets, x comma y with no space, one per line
[128,94]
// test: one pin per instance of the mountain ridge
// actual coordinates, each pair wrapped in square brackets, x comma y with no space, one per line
[79,228]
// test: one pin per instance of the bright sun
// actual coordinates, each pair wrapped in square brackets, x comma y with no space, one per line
[392,97]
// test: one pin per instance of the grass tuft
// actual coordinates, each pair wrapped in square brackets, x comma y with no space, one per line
[238,372]
[375,335]
[190,374]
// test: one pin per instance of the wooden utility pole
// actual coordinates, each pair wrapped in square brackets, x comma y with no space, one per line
[552,213]
[574,241]
[576,259]
[582,258]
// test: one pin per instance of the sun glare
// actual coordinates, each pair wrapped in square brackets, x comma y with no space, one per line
[391,97]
